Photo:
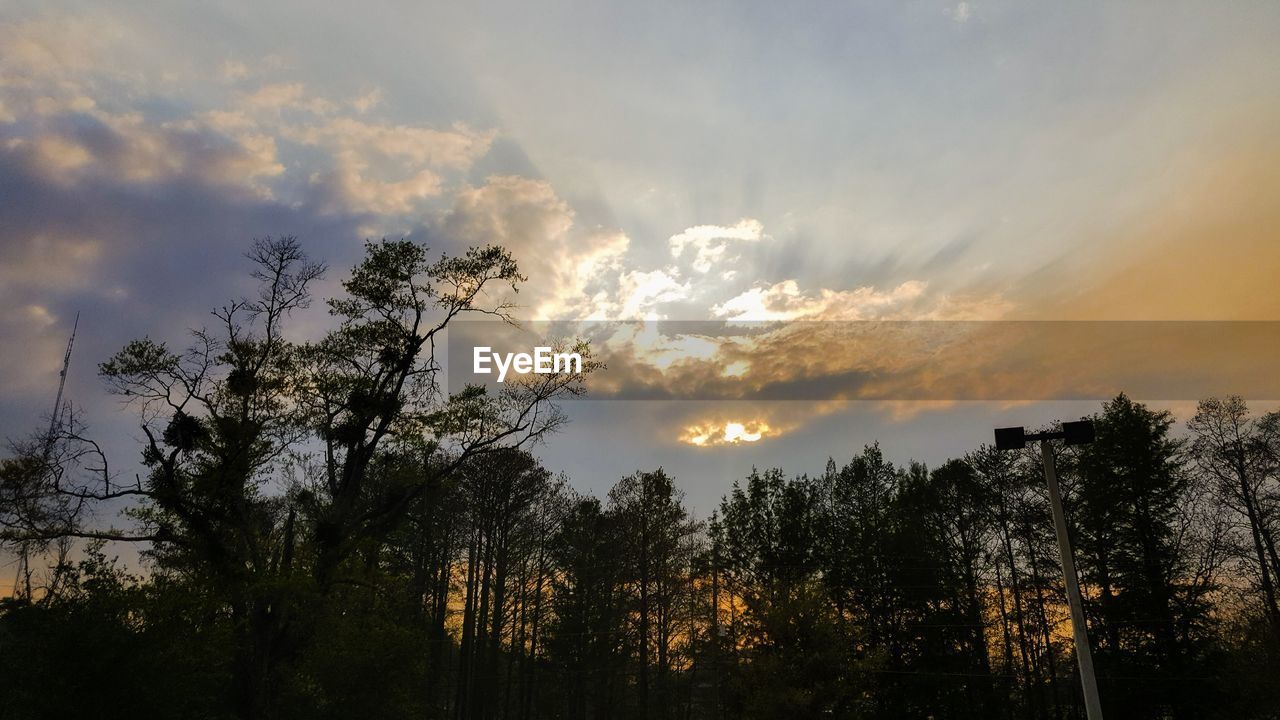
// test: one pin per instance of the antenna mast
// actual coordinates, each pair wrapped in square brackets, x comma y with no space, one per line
[24,551]
[56,419]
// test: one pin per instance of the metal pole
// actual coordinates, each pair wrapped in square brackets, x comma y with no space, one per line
[1092,706]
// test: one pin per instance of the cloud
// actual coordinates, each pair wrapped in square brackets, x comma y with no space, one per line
[38,48]
[349,188]
[128,199]
[785,301]
[367,101]
[39,327]
[48,259]
[382,168]
[639,291]
[456,148]
[82,120]
[233,70]
[365,166]
[914,367]
[709,243]
[590,278]
[573,269]
[722,425]
[117,195]
[136,258]
[102,147]
[730,432]
[589,275]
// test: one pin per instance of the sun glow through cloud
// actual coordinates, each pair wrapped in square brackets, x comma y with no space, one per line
[727,433]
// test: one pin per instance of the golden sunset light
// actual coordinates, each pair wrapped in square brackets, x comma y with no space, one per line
[729,433]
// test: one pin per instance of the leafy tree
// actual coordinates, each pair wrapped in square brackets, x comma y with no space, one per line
[653,526]
[1133,490]
[790,638]
[232,505]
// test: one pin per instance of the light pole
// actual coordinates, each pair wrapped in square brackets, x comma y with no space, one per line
[1072,433]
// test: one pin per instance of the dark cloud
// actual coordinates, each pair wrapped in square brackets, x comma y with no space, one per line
[133,259]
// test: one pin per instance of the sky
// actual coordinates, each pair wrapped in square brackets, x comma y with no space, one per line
[658,161]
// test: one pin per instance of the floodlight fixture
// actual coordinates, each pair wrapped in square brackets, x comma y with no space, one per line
[1079,432]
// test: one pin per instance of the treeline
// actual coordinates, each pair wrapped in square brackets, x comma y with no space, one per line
[883,591]
[327,536]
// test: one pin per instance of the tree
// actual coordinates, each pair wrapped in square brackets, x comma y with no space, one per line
[1131,493]
[960,513]
[232,505]
[653,527]
[585,636]
[790,640]
[506,493]
[228,412]
[1241,456]
[375,380]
